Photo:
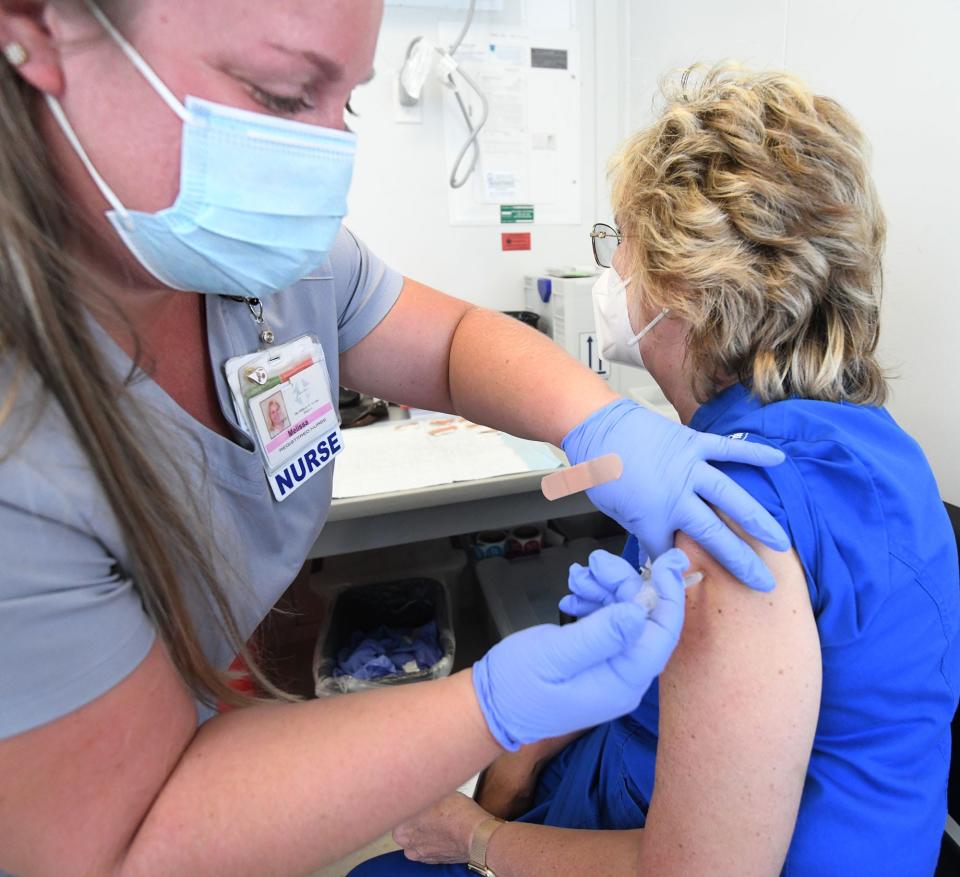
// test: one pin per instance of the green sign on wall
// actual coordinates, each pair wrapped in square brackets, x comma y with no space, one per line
[516,213]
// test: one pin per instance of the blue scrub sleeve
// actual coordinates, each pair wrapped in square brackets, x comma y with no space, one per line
[71,626]
[753,479]
[366,287]
[761,486]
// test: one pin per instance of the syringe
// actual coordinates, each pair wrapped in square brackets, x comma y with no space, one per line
[648,595]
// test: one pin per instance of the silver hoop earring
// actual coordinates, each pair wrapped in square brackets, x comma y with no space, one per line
[16,54]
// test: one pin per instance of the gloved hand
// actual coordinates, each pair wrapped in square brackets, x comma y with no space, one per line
[610,579]
[548,680]
[667,483]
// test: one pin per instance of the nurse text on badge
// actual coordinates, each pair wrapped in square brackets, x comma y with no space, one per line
[286,480]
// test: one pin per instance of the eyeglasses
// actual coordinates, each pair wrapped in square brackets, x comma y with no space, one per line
[605,239]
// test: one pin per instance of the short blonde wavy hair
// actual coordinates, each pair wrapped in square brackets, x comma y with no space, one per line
[748,209]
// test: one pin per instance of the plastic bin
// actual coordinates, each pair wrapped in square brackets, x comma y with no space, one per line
[433,559]
[593,525]
[524,592]
[407,603]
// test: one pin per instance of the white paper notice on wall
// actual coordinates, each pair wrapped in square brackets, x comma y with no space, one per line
[530,146]
[501,186]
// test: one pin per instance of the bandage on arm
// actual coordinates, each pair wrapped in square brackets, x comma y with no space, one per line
[575,479]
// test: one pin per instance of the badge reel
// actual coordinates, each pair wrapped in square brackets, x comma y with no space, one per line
[282,397]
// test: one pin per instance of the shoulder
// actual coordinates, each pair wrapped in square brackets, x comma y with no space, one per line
[43,470]
[364,287]
[722,604]
[843,463]
[839,459]
[841,456]
[862,440]
[347,254]
[355,266]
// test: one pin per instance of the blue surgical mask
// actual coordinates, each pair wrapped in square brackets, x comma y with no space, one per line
[261,198]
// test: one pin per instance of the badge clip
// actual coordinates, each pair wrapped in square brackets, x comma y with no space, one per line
[255,306]
[257,375]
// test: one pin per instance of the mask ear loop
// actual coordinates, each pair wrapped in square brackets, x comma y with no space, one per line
[613,274]
[101,183]
[169,98]
[146,71]
[636,338]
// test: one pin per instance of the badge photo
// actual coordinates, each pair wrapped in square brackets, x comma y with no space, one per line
[274,413]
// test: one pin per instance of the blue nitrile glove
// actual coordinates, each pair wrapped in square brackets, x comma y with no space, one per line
[548,680]
[610,579]
[667,483]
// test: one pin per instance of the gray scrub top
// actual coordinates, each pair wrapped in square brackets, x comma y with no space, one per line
[71,621]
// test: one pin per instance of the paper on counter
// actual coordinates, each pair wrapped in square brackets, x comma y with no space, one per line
[412,455]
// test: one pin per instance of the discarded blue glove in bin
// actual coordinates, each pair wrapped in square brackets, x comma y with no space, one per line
[388,651]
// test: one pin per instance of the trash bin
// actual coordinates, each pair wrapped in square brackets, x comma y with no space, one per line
[359,610]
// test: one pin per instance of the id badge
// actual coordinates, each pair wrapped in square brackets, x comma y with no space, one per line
[282,396]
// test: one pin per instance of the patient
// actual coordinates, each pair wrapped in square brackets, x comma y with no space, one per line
[805,731]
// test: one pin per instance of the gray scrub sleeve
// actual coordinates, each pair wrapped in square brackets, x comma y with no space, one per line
[366,288]
[71,626]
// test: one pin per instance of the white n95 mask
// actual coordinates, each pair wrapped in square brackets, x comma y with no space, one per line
[260,203]
[615,336]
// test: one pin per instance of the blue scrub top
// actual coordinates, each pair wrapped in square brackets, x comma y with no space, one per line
[863,511]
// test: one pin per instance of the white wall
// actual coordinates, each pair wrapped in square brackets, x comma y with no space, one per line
[398,203]
[893,65]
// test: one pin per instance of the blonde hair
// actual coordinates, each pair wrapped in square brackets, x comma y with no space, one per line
[748,209]
[43,330]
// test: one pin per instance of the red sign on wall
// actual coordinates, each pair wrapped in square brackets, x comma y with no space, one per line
[515,240]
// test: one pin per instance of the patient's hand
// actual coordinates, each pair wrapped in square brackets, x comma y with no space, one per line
[441,835]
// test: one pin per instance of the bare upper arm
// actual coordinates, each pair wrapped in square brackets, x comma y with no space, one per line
[739,703]
[406,358]
[74,791]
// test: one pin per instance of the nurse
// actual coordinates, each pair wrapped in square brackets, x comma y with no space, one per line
[172,182]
